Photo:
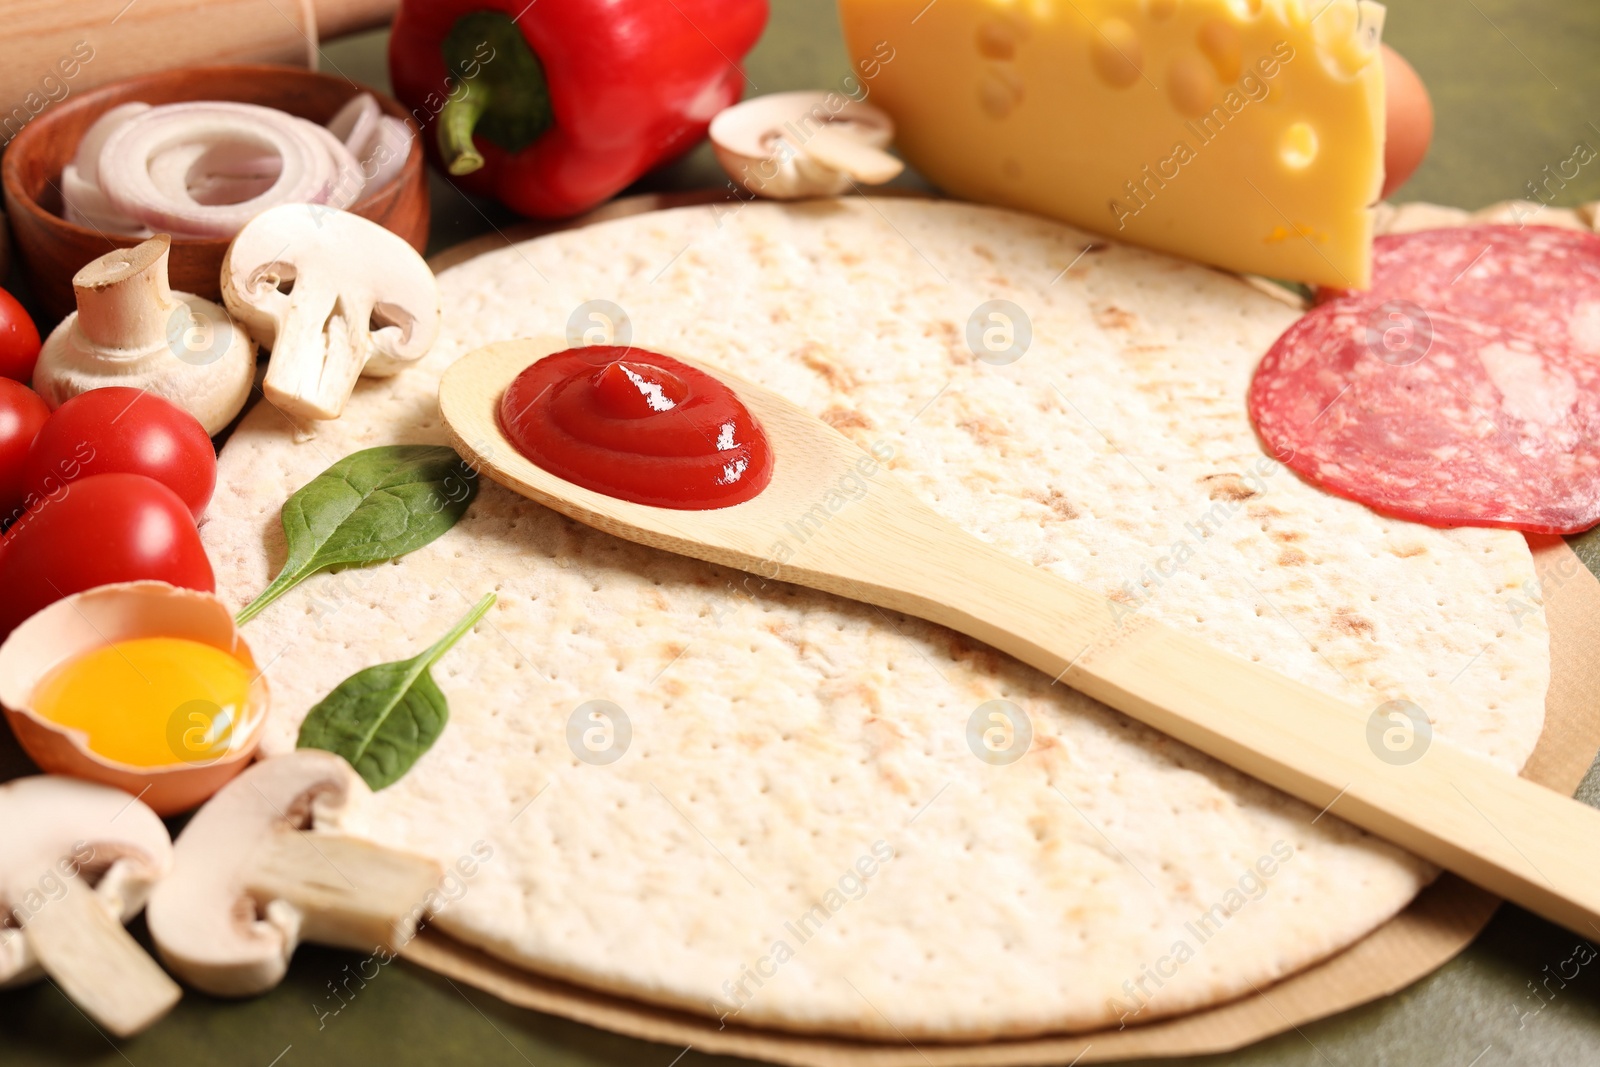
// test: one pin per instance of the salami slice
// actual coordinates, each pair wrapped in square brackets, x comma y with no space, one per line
[1462,390]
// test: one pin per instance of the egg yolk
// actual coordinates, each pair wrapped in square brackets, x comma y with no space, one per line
[149,702]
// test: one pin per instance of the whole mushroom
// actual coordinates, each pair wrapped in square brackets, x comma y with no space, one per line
[62,835]
[334,297]
[250,881]
[132,329]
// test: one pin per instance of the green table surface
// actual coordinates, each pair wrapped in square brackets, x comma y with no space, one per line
[1516,86]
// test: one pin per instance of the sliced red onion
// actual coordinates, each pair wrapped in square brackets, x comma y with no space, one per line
[88,156]
[203,169]
[381,142]
[220,174]
[85,205]
[81,199]
[315,167]
[356,122]
[386,156]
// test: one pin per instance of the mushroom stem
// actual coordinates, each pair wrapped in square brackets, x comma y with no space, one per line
[362,301]
[247,885]
[347,892]
[863,162]
[97,963]
[318,355]
[124,300]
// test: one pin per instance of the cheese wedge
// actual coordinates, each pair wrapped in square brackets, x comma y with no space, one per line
[1247,134]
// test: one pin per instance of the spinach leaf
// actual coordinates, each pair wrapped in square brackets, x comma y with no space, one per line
[372,505]
[382,719]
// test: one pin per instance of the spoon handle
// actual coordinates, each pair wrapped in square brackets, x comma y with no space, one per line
[1373,767]
[829,521]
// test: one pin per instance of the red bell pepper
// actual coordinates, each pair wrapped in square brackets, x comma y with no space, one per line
[552,106]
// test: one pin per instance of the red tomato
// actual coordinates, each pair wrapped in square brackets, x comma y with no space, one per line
[22,413]
[19,340]
[122,430]
[103,529]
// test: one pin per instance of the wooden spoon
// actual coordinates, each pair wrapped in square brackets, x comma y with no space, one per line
[885,547]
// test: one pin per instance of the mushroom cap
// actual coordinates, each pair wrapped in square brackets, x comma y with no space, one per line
[329,253]
[57,827]
[207,927]
[757,141]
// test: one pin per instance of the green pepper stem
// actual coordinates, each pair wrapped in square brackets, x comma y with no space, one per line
[457,119]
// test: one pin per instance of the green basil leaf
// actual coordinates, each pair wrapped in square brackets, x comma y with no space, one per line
[373,505]
[382,719]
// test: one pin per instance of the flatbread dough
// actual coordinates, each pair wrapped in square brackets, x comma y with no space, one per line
[780,743]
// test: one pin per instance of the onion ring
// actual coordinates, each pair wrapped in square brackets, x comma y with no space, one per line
[314,166]
[356,122]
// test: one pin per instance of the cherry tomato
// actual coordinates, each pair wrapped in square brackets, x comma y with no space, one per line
[22,413]
[19,340]
[124,430]
[102,529]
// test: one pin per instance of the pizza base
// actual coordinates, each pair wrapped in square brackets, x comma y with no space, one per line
[783,742]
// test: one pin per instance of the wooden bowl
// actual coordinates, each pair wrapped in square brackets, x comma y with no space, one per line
[55,249]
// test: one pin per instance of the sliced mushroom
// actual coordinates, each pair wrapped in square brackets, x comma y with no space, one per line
[334,296]
[61,834]
[132,329]
[785,146]
[248,885]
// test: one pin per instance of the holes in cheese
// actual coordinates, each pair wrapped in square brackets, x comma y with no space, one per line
[1219,40]
[1000,92]
[1191,85]
[1299,147]
[1241,133]
[998,40]
[1116,53]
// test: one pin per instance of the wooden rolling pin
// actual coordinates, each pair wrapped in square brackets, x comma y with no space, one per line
[51,50]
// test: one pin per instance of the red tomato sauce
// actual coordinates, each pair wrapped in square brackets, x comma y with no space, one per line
[638,426]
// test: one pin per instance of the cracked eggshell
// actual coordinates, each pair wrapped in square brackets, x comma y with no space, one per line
[83,622]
